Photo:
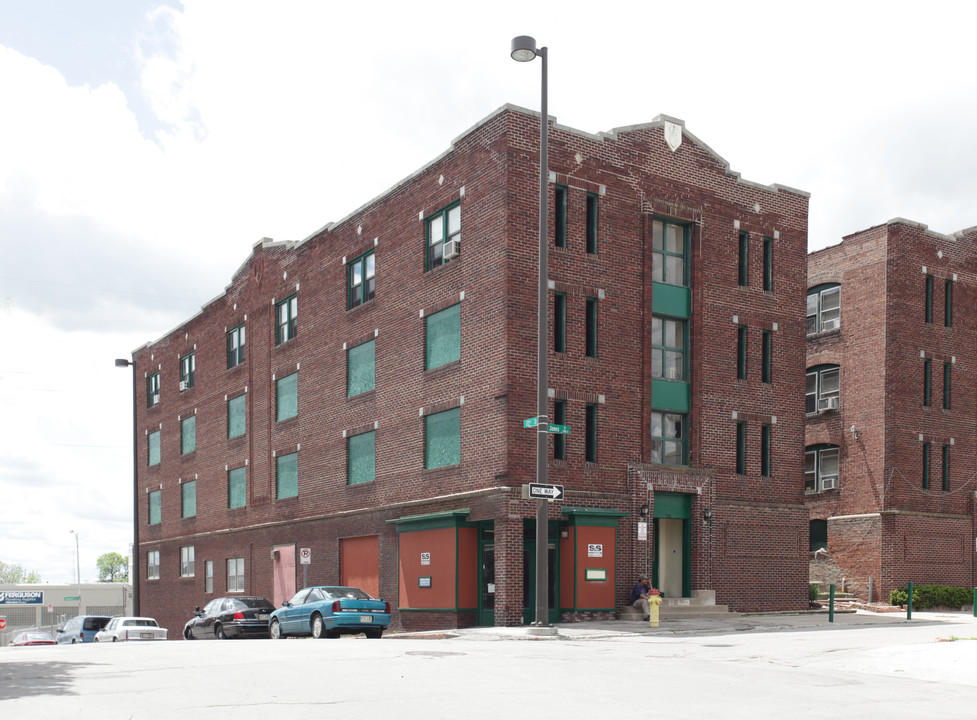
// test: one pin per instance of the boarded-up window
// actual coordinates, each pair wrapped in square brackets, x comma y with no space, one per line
[442,439]
[288,397]
[287,476]
[189,495]
[154,448]
[443,337]
[236,416]
[155,507]
[360,368]
[188,435]
[237,484]
[362,458]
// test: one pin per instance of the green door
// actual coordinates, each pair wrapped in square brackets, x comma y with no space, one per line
[529,582]
[486,576]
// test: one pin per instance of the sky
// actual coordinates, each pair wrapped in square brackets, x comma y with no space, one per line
[146,145]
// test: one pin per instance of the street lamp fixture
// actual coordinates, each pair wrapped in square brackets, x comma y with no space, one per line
[524,50]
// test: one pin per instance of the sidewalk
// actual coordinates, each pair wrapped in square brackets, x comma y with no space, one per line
[734,623]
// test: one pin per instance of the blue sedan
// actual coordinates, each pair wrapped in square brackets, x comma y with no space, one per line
[329,611]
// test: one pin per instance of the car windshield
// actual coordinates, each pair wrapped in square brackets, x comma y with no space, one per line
[36,636]
[140,622]
[251,602]
[337,593]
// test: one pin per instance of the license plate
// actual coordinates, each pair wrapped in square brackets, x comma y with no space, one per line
[263,616]
[366,618]
[148,636]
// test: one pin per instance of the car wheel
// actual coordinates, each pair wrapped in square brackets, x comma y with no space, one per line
[219,632]
[187,634]
[73,642]
[318,627]
[376,633]
[275,630]
[114,639]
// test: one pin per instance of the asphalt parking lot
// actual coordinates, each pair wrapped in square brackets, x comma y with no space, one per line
[862,665]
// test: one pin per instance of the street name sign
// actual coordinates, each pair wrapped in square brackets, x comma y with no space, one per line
[559,429]
[530,422]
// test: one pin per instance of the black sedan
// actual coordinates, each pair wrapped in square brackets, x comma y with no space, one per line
[230,617]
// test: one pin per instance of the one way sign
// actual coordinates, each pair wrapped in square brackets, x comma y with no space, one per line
[550,492]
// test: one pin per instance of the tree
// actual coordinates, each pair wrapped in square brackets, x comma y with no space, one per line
[15,574]
[112,567]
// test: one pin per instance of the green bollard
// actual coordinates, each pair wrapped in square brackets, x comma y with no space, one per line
[831,603]
[909,603]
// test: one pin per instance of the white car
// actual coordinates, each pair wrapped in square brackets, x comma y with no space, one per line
[131,628]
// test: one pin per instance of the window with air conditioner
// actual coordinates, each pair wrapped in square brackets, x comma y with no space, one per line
[443,228]
[823,309]
[152,389]
[821,468]
[823,389]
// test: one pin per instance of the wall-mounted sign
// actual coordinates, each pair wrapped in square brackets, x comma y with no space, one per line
[642,531]
[425,558]
[424,581]
[22,597]
[305,556]
[595,550]
[596,574]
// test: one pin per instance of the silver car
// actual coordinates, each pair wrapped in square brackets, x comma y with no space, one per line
[131,628]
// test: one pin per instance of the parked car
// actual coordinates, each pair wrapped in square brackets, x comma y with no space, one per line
[329,611]
[32,637]
[81,629]
[230,617]
[131,628]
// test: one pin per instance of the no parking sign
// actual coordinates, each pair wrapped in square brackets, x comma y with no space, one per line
[305,556]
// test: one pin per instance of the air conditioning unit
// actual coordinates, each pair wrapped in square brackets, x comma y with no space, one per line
[830,403]
[830,324]
[184,385]
[156,399]
[451,249]
[829,482]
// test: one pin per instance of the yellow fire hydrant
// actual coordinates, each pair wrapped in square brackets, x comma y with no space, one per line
[654,600]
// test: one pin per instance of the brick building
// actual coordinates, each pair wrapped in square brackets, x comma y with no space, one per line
[361,393]
[891,398]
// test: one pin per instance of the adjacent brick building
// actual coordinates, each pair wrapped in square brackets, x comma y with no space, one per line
[361,393]
[891,397]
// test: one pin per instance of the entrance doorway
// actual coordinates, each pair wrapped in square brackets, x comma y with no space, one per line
[672,568]
[486,577]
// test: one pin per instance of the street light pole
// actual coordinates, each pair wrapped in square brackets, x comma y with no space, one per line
[134,565]
[78,565]
[524,50]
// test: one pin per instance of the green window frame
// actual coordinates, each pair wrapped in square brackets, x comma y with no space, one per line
[153,448]
[948,303]
[743,263]
[591,328]
[669,347]
[152,565]
[741,448]
[442,337]
[560,219]
[928,315]
[237,418]
[559,322]
[926,465]
[188,499]
[927,381]
[766,361]
[768,264]
[821,468]
[823,384]
[361,281]
[236,342]
[287,397]
[188,370]
[590,434]
[560,441]
[287,312]
[188,434]
[593,206]
[765,450]
[823,308]
[946,386]
[442,439]
[669,251]
[741,350]
[361,453]
[945,470]
[155,507]
[361,368]
[287,476]
[441,228]
[152,389]
[237,487]
[669,441]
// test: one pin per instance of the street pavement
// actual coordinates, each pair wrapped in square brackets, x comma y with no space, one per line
[863,665]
